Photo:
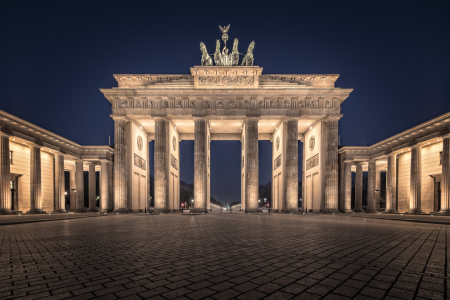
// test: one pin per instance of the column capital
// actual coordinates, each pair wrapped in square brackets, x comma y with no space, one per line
[195,118]
[119,118]
[444,136]
[333,117]
[2,133]
[256,118]
[163,118]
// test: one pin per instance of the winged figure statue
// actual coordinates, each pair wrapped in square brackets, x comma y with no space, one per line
[225,30]
[248,58]
[206,59]
[225,34]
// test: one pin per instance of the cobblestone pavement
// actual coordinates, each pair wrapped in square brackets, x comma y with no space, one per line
[224,256]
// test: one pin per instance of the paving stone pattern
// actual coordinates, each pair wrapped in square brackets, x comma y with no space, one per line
[224,256]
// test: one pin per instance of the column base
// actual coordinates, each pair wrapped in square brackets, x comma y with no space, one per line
[358,210]
[79,211]
[371,211]
[291,211]
[59,211]
[391,211]
[36,211]
[121,211]
[415,211]
[348,211]
[105,211]
[92,210]
[9,212]
[199,211]
[331,211]
[443,212]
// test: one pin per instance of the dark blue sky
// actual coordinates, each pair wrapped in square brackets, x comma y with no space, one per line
[56,55]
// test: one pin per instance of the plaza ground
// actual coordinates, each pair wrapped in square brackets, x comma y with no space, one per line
[224,256]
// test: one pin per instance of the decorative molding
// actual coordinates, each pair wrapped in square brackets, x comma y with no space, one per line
[173,162]
[277,162]
[312,162]
[140,162]
[225,81]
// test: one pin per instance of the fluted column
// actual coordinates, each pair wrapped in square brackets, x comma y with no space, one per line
[304,206]
[79,175]
[111,185]
[200,165]
[73,190]
[92,189]
[5,176]
[291,165]
[358,188]
[147,201]
[59,197]
[371,186]
[120,165]
[415,205]
[160,161]
[445,179]
[391,184]
[347,187]
[35,181]
[104,187]
[331,163]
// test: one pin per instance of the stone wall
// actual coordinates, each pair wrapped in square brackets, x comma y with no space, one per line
[430,166]
[21,166]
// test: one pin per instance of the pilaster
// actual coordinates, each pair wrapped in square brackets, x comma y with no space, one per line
[252,170]
[73,190]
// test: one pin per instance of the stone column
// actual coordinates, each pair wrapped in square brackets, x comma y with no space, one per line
[331,163]
[304,207]
[378,190]
[341,206]
[79,175]
[391,184]
[348,187]
[104,187]
[415,205]
[200,166]
[111,185]
[59,188]
[35,181]
[120,165]
[358,188]
[147,201]
[92,189]
[371,186]
[5,176]
[73,190]
[445,179]
[161,181]
[291,165]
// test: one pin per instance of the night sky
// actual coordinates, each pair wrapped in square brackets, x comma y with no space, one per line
[56,55]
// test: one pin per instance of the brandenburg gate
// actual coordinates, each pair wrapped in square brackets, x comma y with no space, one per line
[226,101]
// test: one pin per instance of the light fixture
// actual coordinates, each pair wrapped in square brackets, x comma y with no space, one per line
[14,139]
[140,127]
[276,128]
[175,127]
[310,127]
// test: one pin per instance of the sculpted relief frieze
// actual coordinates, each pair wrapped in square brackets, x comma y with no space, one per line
[312,162]
[252,102]
[239,80]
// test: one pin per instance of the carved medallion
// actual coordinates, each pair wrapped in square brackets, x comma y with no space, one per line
[174,143]
[139,143]
[278,143]
[312,143]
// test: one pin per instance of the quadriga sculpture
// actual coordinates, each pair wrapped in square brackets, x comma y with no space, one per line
[206,59]
[248,58]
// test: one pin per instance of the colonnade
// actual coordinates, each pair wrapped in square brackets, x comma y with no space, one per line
[415,182]
[35,177]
